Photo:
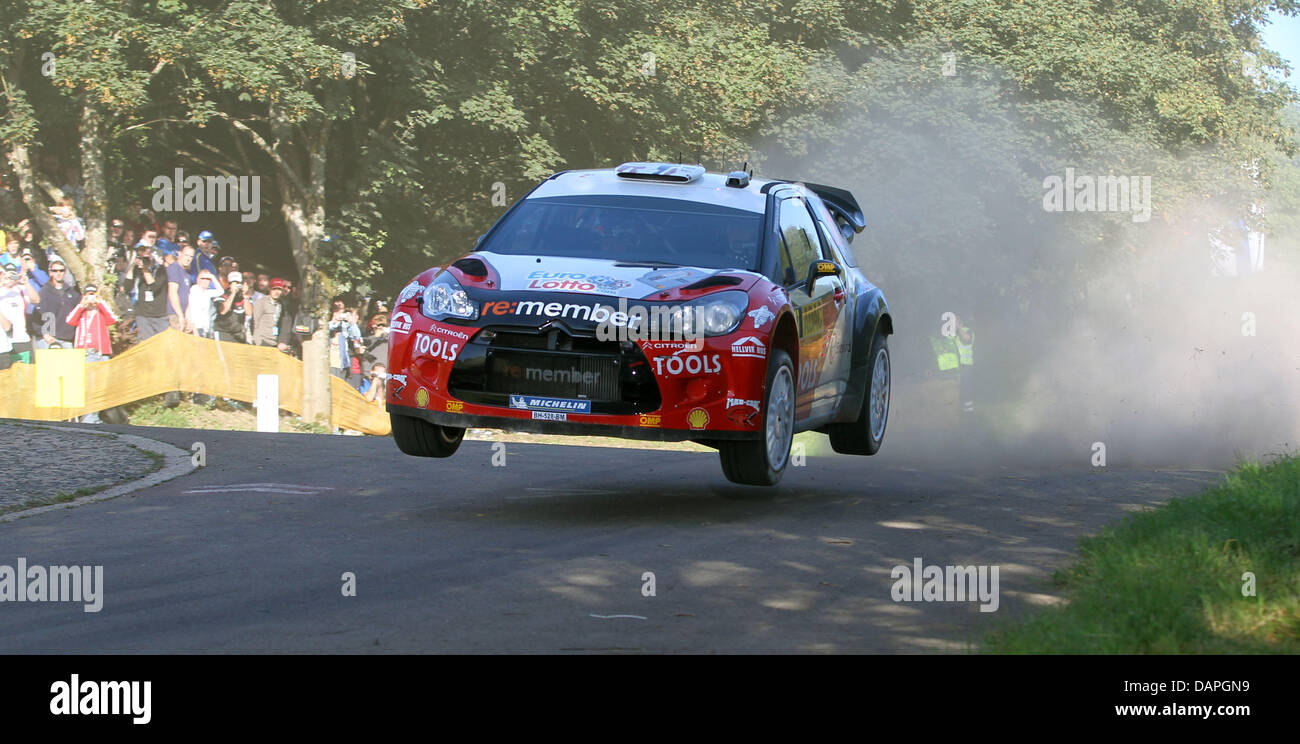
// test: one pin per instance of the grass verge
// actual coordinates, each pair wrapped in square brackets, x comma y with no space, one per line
[220,416]
[1178,579]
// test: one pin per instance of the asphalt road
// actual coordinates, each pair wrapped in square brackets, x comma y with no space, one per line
[548,552]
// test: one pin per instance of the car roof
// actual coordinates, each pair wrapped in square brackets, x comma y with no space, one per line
[709,188]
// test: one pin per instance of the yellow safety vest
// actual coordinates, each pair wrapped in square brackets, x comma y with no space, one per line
[966,352]
[945,353]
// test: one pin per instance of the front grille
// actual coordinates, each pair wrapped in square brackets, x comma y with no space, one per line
[559,375]
[501,362]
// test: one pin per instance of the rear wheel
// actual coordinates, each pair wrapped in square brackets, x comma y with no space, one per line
[420,438]
[864,436]
[762,462]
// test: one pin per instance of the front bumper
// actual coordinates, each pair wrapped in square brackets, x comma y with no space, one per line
[568,428]
[502,375]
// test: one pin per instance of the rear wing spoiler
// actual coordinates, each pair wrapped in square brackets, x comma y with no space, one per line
[840,202]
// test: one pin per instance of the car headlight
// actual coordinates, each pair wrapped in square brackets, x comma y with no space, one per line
[445,298]
[716,315]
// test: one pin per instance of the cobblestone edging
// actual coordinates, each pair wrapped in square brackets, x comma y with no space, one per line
[41,462]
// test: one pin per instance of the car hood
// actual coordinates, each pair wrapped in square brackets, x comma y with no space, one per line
[594,276]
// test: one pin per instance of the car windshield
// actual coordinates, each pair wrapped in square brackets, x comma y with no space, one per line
[631,229]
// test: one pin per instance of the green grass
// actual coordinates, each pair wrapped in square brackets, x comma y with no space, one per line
[1170,580]
[187,415]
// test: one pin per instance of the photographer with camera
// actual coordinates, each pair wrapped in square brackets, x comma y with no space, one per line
[375,387]
[345,338]
[232,308]
[146,282]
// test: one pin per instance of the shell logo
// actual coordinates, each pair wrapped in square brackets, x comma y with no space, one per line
[698,418]
[422,397]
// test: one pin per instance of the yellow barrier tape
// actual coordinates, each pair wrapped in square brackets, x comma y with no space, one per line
[60,378]
[175,361]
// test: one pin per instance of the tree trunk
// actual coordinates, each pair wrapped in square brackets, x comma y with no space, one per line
[304,216]
[92,177]
[306,226]
[20,161]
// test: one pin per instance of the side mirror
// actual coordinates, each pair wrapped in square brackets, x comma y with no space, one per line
[820,269]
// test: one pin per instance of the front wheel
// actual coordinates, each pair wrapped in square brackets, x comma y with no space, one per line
[762,462]
[420,438]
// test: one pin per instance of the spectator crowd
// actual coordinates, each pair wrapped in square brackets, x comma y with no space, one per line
[162,279]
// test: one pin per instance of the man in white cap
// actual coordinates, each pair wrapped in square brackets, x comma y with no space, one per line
[200,308]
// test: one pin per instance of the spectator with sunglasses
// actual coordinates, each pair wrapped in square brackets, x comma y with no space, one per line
[57,300]
[117,244]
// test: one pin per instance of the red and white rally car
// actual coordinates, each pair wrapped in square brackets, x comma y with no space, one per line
[651,301]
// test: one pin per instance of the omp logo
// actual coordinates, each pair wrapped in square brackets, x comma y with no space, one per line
[455,406]
[691,364]
[400,323]
[23,583]
[92,698]
[651,420]
[698,418]
[749,346]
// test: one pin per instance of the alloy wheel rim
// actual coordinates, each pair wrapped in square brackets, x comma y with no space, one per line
[879,395]
[780,418]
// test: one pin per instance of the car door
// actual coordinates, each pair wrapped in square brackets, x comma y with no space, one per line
[816,307]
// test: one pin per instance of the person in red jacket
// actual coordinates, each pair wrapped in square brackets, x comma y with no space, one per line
[92,319]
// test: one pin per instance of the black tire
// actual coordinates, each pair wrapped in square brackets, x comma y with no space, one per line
[750,462]
[422,439]
[859,438]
